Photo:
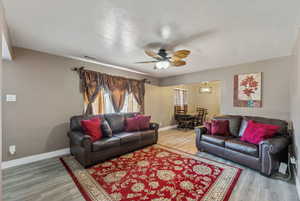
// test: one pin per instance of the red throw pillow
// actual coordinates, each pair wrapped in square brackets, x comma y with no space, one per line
[220,127]
[132,124]
[144,122]
[268,126]
[257,132]
[207,125]
[92,128]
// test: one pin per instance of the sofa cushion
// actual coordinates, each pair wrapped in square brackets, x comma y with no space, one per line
[144,122]
[207,125]
[92,127]
[115,121]
[130,114]
[105,143]
[257,132]
[214,139]
[147,134]
[106,130]
[234,123]
[220,127]
[129,137]
[132,124]
[243,147]
[282,124]
[243,127]
[75,121]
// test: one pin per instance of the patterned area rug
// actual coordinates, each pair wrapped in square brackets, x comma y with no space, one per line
[155,173]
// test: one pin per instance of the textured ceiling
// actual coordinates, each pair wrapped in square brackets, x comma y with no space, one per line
[219,33]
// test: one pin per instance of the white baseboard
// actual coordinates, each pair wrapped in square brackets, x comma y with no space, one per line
[34,158]
[297,185]
[167,128]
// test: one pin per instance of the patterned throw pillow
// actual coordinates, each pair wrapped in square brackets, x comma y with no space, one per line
[92,128]
[220,127]
[144,122]
[257,132]
[132,124]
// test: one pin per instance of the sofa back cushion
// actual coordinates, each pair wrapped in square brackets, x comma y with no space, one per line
[116,122]
[234,123]
[277,122]
[130,114]
[106,130]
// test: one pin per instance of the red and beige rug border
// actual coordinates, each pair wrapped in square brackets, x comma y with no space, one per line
[76,171]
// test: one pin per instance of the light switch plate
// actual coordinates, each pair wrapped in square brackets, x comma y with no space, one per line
[11,98]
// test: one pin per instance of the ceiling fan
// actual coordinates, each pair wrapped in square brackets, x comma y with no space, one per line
[164,61]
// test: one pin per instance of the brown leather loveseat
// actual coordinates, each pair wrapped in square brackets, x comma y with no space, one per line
[89,153]
[264,157]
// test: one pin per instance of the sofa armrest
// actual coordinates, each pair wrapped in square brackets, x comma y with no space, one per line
[79,138]
[200,130]
[276,144]
[271,152]
[154,126]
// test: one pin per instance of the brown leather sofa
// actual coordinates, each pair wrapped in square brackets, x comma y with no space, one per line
[121,142]
[264,157]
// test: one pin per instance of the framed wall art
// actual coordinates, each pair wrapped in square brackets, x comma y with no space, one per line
[248,90]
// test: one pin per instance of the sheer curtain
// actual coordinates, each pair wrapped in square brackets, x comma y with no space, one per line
[130,104]
[180,100]
[180,97]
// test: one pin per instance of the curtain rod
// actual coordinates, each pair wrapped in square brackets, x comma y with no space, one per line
[77,69]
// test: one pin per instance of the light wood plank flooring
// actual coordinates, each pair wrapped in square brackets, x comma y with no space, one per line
[48,180]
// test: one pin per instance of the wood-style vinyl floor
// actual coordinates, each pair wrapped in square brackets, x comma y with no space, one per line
[48,180]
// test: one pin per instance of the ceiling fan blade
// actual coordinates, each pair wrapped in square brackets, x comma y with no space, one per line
[153,54]
[178,63]
[145,62]
[181,54]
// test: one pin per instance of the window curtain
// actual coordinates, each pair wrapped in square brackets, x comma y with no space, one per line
[138,90]
[93,84]
[117,88]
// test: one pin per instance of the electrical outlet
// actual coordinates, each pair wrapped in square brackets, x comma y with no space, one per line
[12,149]
[293,160]
[282,168]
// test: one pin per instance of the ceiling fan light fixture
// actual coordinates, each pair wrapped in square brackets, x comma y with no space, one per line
[162,64]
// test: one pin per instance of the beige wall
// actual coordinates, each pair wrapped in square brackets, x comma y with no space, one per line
[160,101]
[1,31]
[210,101]
[276,76]
[294,104]
[47,96]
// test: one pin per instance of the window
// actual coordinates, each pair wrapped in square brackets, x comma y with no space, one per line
[103,104]
[180,97]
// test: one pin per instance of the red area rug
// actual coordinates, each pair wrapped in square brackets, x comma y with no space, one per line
[155,173]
